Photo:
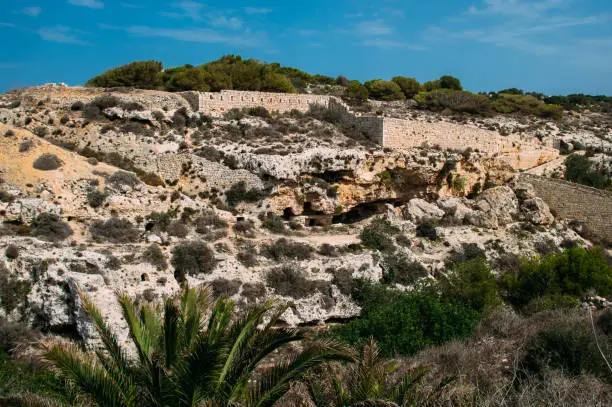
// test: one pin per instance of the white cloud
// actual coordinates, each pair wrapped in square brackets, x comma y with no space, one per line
[87,3]
[380,43]
[256,10]
[32,11]
[130,5]
[201,35]
[530,9]
[187,9]
[373,28]
[233,23]
[61,34]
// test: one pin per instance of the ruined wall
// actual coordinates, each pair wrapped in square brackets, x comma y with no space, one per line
[519,153]
[577,202]
[388,132]
[217,103]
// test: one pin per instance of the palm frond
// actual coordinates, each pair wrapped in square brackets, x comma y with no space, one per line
[401,392]
[275,381]
[172,341]
[89,377]
[138,333]
[29,400]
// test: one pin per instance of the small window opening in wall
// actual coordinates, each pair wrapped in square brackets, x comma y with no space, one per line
[211,97]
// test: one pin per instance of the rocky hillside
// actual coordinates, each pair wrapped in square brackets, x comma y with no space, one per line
[131,190]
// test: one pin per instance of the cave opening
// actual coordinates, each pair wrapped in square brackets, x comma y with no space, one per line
[332,177]
[364,211]
[288,213]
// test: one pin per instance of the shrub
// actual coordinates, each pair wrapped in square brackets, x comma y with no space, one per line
[253,292]
[13,292]
[113,263]
[41,131]
[471,284]
[399,268]
[384,90]
[284,249]
[9,133]
[356,92]
[224,287]
[579,169]
[154,256]
[457,101]
[572,272]
[76,106]
[11,252]
[274,224]
[50,227]
[409,86]
[178,229]
[210,153]
[150,178]
[192,257]
[550,302]
[244,227]
[95,197]
[160,221]
[343,279]
[209,221]
[25,145]
[114,230]
[6,197]
[289,281]
[47,162]
[569,349]
[404,323]
[121,178]
[427,229]
[238,193]
[141,74]
[247,255]
[377,235]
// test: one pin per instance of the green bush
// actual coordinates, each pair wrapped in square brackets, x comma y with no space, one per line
[123,178]
[154,256]
[409,86]
[284,249]
[11,252]
[427,229]
[457,101]
[471,284]
[450,82]
[579,169]
[404,323]
[114,230]
[239,193]
[95,197]
[47,162]
[289,280]
[13,292]
[384,90]
[50,227]
[399,268]
[356,92]
[572,350]
[274,224]
[573,272]
[378,235]
[144,75]
[224,287]
[192,257]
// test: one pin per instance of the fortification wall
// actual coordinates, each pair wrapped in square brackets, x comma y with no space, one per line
[217,103]
[576,202]
[388,132]
[518,152]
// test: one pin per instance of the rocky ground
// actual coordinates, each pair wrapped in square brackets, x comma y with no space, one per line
[283,205]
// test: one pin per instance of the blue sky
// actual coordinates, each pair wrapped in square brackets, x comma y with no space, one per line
[552,46]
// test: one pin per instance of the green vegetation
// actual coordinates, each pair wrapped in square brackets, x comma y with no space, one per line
[571,273]
[189,353]
[191,258]
[50,227]
[114,230]
[404,323]
[47,162]
[580,169]
[378,234]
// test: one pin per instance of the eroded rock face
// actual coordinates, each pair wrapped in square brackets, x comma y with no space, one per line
[455,207]
[537,212]
[419,210]
[26,209]
[498,206]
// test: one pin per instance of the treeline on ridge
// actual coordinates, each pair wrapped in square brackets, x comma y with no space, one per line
[445,94]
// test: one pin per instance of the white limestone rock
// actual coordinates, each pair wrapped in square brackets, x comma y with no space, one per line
[419,210]
[537,212]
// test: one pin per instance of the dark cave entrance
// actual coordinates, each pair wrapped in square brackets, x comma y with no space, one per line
[364,211]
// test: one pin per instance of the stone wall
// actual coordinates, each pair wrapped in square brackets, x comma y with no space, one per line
[388,132]
[576,202]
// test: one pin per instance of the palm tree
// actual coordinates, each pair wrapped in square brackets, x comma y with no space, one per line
[190,352]
[367,382]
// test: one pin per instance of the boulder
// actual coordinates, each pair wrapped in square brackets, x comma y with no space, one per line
[537,212]
[419,210]
[454,208]
[524,191]
[500,202]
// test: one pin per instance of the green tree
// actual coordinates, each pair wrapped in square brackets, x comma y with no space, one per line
[384,90]
[579,168]
[276,82]
[450,82]
[189,353]
[409,86]
[356,92]
[142,74]
[572,272]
